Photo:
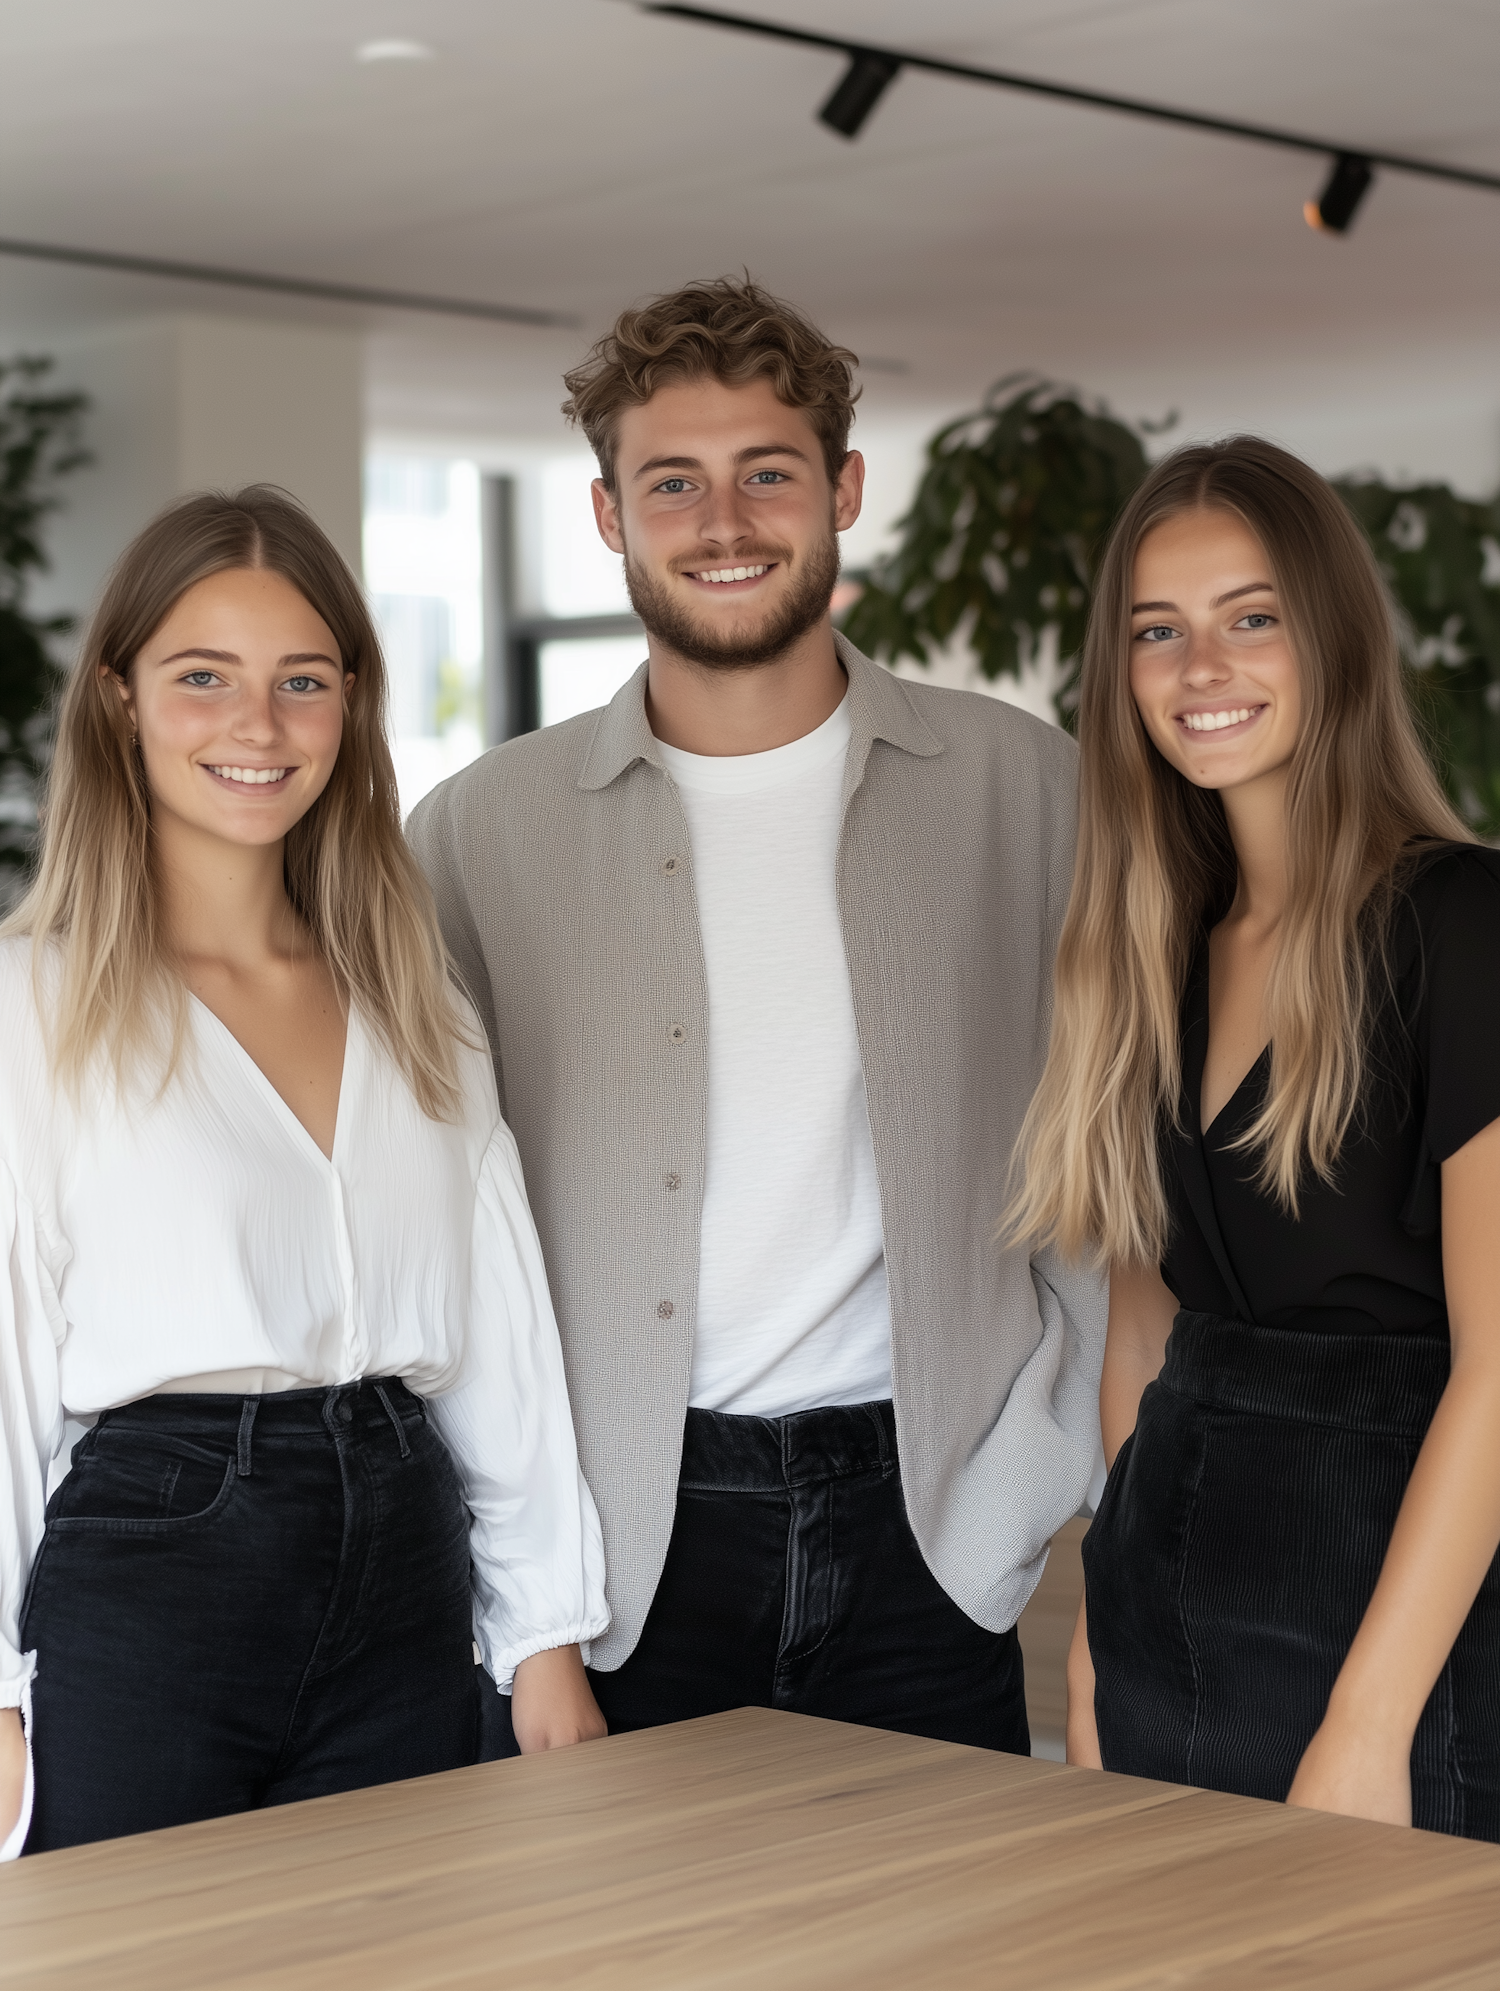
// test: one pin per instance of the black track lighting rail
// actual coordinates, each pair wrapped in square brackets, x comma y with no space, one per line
[1100,100]
[328,293]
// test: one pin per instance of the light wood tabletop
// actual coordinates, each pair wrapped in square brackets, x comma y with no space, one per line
[764,1852]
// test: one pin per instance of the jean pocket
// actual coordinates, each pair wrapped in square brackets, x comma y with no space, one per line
[431,1451]
[142,1492]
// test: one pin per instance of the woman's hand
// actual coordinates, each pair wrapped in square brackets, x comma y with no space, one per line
[1361,1775]
[1446,1533]
[1083,1730]
[552,1704]
[12,1770]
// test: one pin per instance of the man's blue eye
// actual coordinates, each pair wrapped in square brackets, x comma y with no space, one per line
[672,485]
[767,477]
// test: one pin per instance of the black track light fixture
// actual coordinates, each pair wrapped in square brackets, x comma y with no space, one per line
[859,90]
[871,69]
[1347,186]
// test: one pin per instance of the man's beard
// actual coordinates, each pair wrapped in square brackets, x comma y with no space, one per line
[739,648]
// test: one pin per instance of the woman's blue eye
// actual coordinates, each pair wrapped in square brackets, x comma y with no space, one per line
[302,684]
[200,679]
[1257,620]
[1158,632]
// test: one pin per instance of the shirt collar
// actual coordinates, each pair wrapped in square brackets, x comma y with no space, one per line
[879,709]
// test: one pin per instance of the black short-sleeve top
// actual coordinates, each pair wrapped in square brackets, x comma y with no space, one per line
[1364,1255]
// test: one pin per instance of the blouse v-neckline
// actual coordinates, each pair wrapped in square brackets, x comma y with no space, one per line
[1193,1147]
[1195,1043]
[1260,1060]
[278,1105]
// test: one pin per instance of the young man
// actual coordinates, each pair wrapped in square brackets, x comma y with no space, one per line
[764,952]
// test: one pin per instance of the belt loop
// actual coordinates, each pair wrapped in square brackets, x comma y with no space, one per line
[390,1412]
[247,1424]
[881,1441]
[784,1438]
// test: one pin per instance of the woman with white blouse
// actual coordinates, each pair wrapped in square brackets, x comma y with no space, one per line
[266,1239]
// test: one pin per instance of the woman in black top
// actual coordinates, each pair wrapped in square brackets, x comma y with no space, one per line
[1273,1105]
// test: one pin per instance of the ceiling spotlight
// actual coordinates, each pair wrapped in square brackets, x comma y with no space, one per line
[859,91]
[393,51]
[1348,184]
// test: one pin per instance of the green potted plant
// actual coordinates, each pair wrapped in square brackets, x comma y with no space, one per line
[40,443]
[1015,500]
[1441,557]
[999,542]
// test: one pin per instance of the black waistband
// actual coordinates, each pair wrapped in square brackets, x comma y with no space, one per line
[1384,1384]
[287,1413]
[724,1453]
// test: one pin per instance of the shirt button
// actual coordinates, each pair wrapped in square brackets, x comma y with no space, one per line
[670,867]
[666,1309]
[674,1181]
[677,1033]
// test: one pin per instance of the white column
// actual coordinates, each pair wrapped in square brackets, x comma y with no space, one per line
[202,403]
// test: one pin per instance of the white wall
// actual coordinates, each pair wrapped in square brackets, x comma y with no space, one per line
[190,403]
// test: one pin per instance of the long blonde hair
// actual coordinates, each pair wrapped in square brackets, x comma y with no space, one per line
[349,873]
[1155,864]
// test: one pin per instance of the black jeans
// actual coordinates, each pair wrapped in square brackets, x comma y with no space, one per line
[242,1601]
[793,1581]
[1234,1553]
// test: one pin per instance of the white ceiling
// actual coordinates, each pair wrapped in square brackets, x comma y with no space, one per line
[578,153]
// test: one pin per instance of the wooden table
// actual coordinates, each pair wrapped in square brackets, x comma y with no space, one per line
[765,1852]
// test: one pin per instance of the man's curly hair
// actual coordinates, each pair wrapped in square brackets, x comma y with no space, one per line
[721,329]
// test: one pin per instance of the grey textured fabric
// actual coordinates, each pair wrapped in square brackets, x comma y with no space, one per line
[563,874]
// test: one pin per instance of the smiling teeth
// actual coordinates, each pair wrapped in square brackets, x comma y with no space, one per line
[256,777]
[731,573]
[1211,722]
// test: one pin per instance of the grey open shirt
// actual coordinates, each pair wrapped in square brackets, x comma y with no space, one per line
[563,873]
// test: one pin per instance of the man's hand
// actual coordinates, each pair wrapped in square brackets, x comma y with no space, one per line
[552,1704]
[12,1770]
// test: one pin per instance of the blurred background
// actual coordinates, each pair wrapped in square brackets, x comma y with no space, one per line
[555,162]
[1053,292]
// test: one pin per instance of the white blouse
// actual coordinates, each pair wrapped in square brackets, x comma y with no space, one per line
[154,1238]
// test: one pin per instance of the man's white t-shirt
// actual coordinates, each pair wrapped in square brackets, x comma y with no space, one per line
[793,1311]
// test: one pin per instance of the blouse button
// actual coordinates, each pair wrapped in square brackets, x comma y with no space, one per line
[674,1181]
[677,1033]
[666,1309]
[670,867]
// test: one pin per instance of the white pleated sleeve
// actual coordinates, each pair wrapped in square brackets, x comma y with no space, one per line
[536,1544]
[31,1424]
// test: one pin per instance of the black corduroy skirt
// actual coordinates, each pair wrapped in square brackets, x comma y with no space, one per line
[1240,1537]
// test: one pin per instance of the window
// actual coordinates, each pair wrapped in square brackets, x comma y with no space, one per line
[416,632]
[499,607]
[423,560]
[570,636]
[580,576]
[578,673]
